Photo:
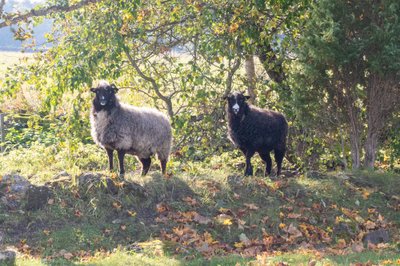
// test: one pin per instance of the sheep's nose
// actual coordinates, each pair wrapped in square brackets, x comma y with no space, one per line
[103,101]
[235,108]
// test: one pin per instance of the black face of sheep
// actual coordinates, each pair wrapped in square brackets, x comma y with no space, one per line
[252,130]
[105,97]
[237,103]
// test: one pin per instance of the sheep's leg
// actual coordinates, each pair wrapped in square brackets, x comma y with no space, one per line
[279,154]
[163,166]
[249,167]
[110,158]
[145,165]
[267,159]
[121,155]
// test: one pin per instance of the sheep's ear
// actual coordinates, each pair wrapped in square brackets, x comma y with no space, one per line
[114,88]
[93,89]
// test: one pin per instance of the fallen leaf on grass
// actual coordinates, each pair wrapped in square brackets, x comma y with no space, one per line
[190,201]
[201,219]
[131,213]
[312,263]
[294,232]
[117,205]
[251,206]
[341,244]
[370,225]
[241,224]
[224,219]
[244,239]
[357,247]
[78,213]
[162,207]
[293,215]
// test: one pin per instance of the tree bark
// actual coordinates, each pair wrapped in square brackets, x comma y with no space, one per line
[271,63]
[355,130]
[371,145]
[251,77]
[383,96]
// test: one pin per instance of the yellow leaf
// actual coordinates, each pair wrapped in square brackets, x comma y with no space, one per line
[365,194]
[227,222]
[223,210]
[208,238]
[282,225]
[117,205]
[238,244]
[132,213]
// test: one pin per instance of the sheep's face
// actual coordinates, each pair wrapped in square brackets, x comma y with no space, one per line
[237,103]
[105,96]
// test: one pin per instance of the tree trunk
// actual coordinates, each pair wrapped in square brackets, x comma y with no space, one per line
[251,77]
[271,63]
[383,96]
[371,145]
[342,143]
[355,150]
[355,130]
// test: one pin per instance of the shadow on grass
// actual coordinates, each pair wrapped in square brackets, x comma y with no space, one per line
[101,215]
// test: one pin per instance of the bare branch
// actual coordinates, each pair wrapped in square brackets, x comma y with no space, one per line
[2,3]
[12,18]
[152,81]
[231,73]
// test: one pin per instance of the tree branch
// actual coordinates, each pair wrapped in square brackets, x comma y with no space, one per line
[14,18]
[229,78]
[152,81]
[2,3]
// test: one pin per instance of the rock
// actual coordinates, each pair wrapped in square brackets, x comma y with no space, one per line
[377,236]
[132,187]
[16,183]
[315,175]
[62,177]
[37,197]
[7,258]
[88,178]
[111,187]
[342,229]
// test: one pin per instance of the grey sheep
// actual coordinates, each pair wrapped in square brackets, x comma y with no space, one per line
[128,129]
[252,130]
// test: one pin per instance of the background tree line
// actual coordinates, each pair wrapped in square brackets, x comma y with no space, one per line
[331,66]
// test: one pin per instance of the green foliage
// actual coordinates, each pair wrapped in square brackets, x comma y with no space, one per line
[343,51]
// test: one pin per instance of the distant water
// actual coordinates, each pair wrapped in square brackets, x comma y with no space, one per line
[8,43]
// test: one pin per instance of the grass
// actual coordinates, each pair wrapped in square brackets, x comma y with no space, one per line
[86,224]
[8,59]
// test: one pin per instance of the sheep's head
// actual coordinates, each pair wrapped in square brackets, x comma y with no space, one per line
[237,103]
[105,96]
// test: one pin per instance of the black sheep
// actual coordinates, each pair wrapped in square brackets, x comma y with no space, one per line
[252,130]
